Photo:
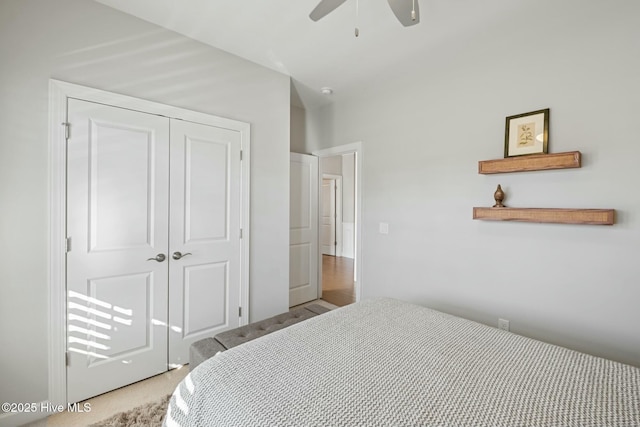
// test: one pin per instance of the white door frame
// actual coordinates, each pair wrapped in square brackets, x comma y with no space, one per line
[338,208]
[357,149]
[59,92]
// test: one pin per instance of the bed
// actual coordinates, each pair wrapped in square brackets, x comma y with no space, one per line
[385,362]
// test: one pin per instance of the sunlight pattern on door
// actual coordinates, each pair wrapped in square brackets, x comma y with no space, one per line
[112,301]
[117,221]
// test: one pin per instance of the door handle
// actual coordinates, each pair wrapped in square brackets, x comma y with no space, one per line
[178,255]
[159,258]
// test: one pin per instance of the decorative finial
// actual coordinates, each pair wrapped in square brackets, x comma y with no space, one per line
[499,196]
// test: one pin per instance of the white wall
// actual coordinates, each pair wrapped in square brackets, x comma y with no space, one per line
[298,130]
[348,187]
[423,134]
[87,43]
[348,204]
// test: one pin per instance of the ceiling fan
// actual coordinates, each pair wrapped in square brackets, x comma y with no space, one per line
[405,10]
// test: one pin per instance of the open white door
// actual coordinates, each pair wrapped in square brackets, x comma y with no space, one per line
[117,211]
[303,232]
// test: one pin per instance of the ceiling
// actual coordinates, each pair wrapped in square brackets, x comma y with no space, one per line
[278,34]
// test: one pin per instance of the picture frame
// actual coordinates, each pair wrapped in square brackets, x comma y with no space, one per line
[527,134]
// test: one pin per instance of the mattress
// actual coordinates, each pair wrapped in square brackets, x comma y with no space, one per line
[385,362]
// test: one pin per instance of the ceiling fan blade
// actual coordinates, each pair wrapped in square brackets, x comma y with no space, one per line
[324,8]
[402,9]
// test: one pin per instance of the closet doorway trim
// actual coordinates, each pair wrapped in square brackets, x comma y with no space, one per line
[59,92]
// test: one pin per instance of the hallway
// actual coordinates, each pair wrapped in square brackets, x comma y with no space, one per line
[337,280]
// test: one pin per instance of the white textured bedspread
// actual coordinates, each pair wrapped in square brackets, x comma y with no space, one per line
[388,363]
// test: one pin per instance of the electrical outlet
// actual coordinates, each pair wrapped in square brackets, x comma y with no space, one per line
[384,228]
[503,324]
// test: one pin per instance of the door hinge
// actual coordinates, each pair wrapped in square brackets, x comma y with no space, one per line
[239,311]
[67,244]
[241,233]
[67,361]
[240,154]
[66,129]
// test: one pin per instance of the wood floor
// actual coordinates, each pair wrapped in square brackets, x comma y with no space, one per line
[337,280]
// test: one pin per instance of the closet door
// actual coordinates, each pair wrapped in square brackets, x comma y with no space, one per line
[117,223]
[204,273]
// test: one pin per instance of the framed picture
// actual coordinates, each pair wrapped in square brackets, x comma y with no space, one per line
[527,133]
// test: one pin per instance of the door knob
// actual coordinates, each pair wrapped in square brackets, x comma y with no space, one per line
[178,255]
[159,258]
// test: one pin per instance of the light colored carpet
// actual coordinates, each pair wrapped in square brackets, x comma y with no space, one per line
[149,415]
[123,399]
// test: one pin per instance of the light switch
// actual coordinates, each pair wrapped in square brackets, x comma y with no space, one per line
[384,228]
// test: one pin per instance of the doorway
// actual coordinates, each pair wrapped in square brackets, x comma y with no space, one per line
[339,282]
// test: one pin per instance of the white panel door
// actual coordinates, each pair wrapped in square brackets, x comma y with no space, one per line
[328,228]
[204,296]
[303,229]
[117,211]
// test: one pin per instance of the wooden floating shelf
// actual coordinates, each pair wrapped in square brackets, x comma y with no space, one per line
[571,159]
[547,215]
